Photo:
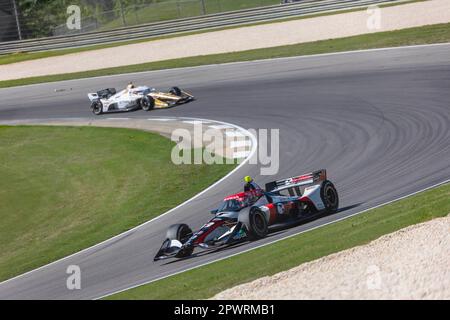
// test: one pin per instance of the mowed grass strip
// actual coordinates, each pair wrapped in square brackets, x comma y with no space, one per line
[63,189]
[439,33]
[206,281]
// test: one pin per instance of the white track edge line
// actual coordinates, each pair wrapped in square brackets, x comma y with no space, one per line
[280,239]
[240,165]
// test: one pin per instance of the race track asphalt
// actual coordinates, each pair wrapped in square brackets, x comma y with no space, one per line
[377,120]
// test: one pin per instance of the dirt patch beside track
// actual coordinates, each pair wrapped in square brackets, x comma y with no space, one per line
[412,263]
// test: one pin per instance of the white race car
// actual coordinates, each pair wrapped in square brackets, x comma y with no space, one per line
[142,97]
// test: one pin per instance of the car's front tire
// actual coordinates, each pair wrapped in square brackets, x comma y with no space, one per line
[180,232]
[97,107]
[147,103]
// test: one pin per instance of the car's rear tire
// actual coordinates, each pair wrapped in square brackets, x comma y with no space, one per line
[97,107]
[180,232]
[329,196]
[147,103]
[175,90]
[295,211]
[257,226]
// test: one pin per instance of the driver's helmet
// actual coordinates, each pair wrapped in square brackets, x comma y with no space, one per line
[130,86]
[248,179]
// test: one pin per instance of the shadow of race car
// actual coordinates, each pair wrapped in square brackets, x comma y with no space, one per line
[134,98]
[250,215]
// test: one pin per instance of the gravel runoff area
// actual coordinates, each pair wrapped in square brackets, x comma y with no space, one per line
[412,263]
[238,39]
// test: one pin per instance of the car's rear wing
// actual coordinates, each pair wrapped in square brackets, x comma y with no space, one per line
[93,96]
[102,94]
[293,184]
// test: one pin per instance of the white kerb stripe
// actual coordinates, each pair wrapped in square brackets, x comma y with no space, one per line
[240,154]
[234,134]
[240,143]
[194,122]
[221,126]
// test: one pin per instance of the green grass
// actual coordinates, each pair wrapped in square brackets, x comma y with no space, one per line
[206,281]
[171,9]
[25,56]
[63,189]
[439,33]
